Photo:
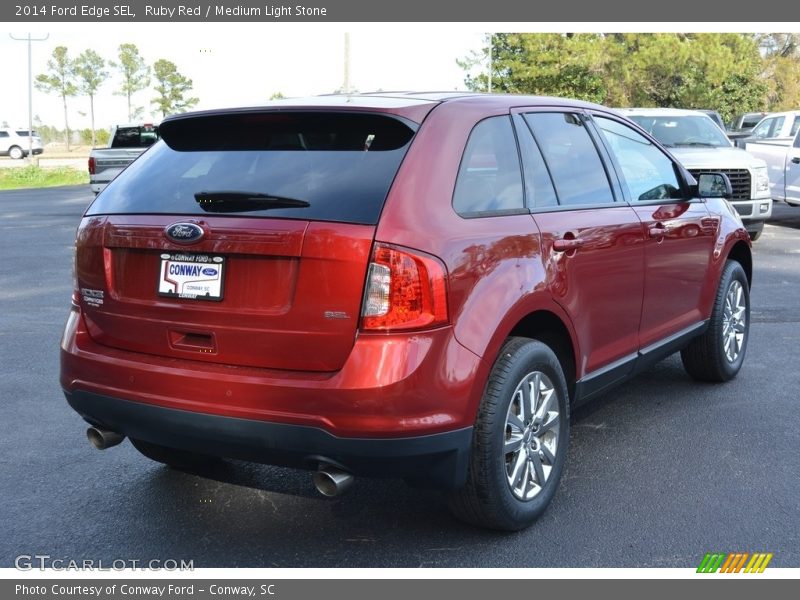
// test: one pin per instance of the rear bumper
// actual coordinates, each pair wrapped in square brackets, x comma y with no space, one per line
[401,406]
[437,460]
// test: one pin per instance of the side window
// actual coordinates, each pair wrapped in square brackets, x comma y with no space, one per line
[795,126]
[571,158]
[769,127]
[539,191]
[3,134]
[648,172]
[763,128]
[777,126]
[797,141]
[489,179]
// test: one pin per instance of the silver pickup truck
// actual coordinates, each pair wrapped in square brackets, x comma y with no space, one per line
[774,126]
[783,164]
[127,143]
[701,147]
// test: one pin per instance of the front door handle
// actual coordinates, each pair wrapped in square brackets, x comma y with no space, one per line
[796,160]
[657,231]
[567,244]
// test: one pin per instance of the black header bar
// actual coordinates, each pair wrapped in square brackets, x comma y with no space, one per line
[341,11]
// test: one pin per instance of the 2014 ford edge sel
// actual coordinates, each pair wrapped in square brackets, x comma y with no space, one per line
[409,285]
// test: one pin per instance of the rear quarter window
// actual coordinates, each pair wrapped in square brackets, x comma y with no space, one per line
[489,178]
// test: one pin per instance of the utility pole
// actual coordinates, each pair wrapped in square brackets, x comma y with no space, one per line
[491,43]
[30,39]
[346,84]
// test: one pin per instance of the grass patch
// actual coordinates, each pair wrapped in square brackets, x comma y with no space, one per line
[37,177]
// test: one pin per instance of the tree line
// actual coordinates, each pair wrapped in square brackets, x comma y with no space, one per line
[728,72]
[85,74]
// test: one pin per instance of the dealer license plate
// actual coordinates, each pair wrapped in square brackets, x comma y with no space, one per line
[191,276]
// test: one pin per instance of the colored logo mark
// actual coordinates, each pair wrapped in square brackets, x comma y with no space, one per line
[735,562]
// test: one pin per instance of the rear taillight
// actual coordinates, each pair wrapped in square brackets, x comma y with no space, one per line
[404,290]
[91,165]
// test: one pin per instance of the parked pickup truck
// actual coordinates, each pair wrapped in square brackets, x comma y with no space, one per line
[698,143]
[742,125]
[775,126]
[127,143]
[783,164]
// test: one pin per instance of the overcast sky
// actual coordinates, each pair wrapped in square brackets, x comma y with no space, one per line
[239,64]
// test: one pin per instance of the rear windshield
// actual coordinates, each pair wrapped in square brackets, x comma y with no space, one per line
[135,137]
[318,166]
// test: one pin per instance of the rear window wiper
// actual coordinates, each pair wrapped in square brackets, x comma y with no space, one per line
[234,201]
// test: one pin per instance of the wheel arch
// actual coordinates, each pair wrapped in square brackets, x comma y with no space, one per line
[740,252]
[550,329]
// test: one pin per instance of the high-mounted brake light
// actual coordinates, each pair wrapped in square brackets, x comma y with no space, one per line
[405,290]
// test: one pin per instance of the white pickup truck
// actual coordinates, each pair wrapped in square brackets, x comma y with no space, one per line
[127,143]
[783,164]
[701,147]
[774,126]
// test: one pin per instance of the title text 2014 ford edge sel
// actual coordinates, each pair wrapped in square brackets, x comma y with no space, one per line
[409,285]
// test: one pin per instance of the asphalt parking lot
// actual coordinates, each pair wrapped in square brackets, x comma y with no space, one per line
[660,471]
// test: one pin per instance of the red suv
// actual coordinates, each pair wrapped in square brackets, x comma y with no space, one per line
[399,285]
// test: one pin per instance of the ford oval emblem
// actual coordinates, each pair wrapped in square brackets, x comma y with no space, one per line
[184,233]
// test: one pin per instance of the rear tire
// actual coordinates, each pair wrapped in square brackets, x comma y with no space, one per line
[718,354]
[173,457]
[520,440]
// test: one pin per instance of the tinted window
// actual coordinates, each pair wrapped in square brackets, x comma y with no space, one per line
[24,133]
[539,192]
[795,126]
[571,158]
[334,167]
[648,173]
[135,137]
[4,134]
[489,178]
[749,122]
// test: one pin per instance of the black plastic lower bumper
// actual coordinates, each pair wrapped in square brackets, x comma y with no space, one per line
[438,460]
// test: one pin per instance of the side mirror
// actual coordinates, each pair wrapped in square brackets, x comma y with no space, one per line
[714,185]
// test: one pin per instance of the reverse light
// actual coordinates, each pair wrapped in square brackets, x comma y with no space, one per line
[404,290]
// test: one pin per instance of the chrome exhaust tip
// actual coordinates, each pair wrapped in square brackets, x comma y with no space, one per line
[102,438]
[331,482]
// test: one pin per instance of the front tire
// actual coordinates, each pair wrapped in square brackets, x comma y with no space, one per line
[520,440]
[718,354]
[16,152]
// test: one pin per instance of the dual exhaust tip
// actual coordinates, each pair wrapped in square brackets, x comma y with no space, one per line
[331,481]
[103,438]
[328,480]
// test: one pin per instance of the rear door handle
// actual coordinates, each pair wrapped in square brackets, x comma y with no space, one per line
[657,231]
[567,244]
[796,160]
